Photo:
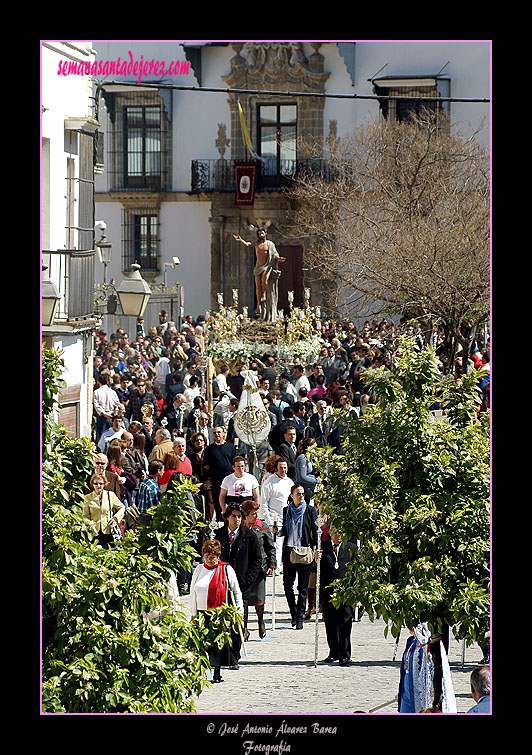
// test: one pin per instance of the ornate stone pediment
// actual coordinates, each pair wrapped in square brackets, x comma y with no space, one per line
[280,63]
[276,67]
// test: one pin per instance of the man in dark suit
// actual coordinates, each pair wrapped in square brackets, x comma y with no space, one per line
[175,414]
[287,450]
[319,424]
[335,559]
[242,550]
[276,436]
[203,428]
[173,386]
[274,409]
[218,463]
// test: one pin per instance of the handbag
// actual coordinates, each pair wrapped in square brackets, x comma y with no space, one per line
[116,533]
[301,554]
[132,517]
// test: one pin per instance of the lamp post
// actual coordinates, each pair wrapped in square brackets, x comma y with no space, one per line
[134,293]
[50,298]
[105,251]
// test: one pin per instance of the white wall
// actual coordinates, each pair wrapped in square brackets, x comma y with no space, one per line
[187,234]
[111,213]
[184,221]
[62,97]
[468,67]
[76,372]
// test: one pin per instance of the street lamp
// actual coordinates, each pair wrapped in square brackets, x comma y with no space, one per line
[50,298]
[134,293]
[105,252]
[173,264]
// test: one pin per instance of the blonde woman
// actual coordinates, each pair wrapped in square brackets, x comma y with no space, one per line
[102,507]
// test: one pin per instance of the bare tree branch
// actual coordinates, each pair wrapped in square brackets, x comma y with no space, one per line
[401,214]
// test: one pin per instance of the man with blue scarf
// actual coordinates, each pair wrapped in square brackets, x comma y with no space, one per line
[299,529]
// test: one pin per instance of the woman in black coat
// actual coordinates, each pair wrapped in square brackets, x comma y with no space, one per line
[257,593]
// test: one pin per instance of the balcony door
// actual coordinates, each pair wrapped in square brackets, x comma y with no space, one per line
[142,163]
[277,136]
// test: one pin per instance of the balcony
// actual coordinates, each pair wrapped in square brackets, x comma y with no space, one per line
[72,271]
[219,175]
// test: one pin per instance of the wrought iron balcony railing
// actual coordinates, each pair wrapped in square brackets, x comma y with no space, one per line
[219,175]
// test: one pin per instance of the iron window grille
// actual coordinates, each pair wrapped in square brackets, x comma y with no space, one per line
[139,143]
[140,239]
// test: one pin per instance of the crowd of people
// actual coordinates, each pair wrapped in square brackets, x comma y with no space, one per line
[153,423]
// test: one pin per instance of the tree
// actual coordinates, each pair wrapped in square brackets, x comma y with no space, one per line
[416,494]
[400,217]
[101,651]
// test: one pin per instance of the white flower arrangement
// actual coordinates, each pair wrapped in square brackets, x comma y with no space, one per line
[237,352]
[230,351]
[302,349]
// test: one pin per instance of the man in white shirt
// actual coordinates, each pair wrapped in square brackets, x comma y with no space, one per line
[220,407]
[190,372]
[221,381]
[191,392]
[240,485]
[274,499]
[162,369]
[105,401]
[301,379]
[115,431]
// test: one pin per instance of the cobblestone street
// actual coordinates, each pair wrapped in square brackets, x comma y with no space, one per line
[278,675]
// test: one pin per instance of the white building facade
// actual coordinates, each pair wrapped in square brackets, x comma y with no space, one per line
[67,219]
[168,185]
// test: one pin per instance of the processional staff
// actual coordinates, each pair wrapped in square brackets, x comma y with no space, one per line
[239,627]
[252,426]
[213,526]
[319,521]
[273,575]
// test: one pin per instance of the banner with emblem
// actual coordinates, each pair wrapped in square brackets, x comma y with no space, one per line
[245,179]
[252,423]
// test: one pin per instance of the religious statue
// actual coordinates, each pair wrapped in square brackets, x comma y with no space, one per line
[266,274]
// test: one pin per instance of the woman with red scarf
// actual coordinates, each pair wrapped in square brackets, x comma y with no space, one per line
[209,589]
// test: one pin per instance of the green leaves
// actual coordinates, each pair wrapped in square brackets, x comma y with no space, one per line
[101,651]
[416,494]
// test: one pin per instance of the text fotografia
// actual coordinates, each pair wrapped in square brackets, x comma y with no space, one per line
[138,68]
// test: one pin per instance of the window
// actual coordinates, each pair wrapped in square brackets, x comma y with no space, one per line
[277,134]
[138,142]
[414,95]
[142,140]
[140,240]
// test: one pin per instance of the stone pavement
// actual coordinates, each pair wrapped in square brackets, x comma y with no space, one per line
[278,675]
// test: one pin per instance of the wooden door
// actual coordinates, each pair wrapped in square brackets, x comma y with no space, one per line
[291,275]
